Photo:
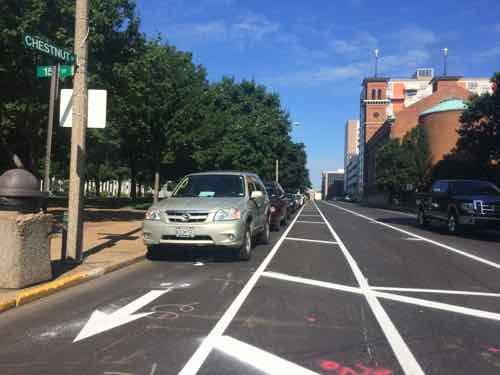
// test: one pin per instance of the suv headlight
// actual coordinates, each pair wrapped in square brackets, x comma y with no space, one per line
[153,214]
[468,207]
[227,214]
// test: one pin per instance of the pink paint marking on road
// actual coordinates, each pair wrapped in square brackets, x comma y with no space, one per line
[359,369]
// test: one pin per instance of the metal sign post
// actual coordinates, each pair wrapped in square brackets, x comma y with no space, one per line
[50,124]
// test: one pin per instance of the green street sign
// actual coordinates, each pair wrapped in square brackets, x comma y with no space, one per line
[41,45]
[66,71]
[45,71]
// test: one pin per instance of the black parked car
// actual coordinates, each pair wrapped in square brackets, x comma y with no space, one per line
[461,204]
[279,205]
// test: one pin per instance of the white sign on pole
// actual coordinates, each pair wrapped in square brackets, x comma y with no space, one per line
[97,101]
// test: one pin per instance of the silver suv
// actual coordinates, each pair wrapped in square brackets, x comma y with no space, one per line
[228,209]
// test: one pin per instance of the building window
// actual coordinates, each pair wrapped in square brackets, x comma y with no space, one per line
[373,94]
[411,92]
[379,94]
[472,85]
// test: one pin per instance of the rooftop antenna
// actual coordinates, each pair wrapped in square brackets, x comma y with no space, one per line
[376,53]
[445,56]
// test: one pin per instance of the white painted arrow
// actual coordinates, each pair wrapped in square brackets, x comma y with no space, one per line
[100,322]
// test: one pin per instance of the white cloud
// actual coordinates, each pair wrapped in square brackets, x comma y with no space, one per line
[493,52]
[359,44]
[320,75]
[249,28]
[255,26]
[415,37]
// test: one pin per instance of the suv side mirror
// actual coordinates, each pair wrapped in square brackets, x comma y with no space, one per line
[256,194]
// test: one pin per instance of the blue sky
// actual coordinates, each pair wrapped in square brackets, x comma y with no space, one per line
[315,53]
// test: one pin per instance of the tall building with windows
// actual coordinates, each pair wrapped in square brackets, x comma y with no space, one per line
[332,184]
[351,151]
[382,98]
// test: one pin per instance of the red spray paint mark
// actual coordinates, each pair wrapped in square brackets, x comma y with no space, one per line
[359,369]
[329,365]
[491,349]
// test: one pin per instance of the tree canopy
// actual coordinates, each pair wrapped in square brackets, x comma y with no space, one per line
[163,115]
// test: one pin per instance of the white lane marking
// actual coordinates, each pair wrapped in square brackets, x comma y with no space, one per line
[412,239]
[310,222]
[308,240]
[397,212]
[450,248]
[259,359]
[200,355]
[322,284]
[391,296]
[439,305]
[405,357]
[437,291]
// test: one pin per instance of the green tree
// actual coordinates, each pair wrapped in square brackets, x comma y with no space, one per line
[479,134]
[245,128]
[392,168]
[417,156]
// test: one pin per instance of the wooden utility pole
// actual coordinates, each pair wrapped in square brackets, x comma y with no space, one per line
[78,130]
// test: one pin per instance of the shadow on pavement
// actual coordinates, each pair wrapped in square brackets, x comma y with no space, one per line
[189,254]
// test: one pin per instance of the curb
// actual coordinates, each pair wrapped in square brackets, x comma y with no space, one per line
[64,282]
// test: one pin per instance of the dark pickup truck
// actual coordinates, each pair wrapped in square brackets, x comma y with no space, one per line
[461,204]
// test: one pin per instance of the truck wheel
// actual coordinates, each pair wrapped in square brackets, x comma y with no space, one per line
[453,225]
[422,219]
[244,252]
[265,235]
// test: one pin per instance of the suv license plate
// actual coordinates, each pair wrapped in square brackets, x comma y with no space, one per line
[184,232]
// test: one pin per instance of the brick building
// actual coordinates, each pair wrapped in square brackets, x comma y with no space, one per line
[438,113]
[402,100]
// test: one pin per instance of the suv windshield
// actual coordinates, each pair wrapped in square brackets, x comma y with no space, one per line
[211,186]
[475,188]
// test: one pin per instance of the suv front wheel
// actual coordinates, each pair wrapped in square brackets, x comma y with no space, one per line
[265,235]
[244,252]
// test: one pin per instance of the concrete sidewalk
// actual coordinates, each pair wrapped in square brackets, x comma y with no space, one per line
[112,240]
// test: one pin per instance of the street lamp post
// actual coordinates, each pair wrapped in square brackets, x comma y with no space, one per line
[445,56]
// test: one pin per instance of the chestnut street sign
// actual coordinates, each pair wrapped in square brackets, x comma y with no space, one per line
[48,48]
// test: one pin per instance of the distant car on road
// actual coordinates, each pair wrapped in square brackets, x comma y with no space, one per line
[293,203]
[279,205]
[461,204]
[226,209]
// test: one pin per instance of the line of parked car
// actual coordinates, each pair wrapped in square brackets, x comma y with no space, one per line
[227,209]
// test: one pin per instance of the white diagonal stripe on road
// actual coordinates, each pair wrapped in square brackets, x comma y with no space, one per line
[310,222]
[436,291]
[259,359]
[394,297]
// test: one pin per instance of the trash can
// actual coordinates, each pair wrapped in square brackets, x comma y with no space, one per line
[24,230]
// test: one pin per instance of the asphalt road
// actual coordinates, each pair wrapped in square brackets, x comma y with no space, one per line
[344,289]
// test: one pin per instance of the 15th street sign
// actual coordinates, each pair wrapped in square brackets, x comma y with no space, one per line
[41,45]
[44,71]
